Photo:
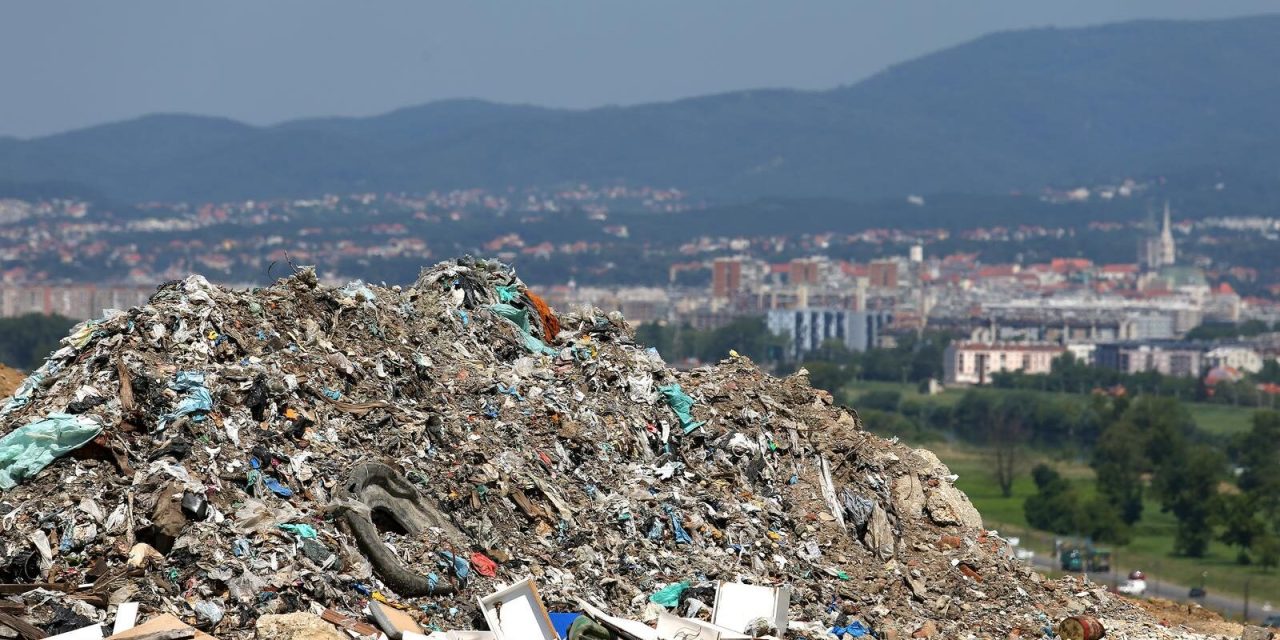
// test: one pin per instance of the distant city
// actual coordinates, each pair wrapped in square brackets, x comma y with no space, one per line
[65,257]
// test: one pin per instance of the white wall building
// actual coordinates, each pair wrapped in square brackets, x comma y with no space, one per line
[976,362]
[1238,358]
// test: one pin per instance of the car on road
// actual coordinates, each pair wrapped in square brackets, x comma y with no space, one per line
[1136,585]
[1196,592]
[1272,621]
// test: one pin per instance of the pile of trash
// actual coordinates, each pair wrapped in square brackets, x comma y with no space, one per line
[224,458]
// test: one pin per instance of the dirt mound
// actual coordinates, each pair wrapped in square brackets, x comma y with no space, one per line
[1190,616]
[10,378]
[235,454]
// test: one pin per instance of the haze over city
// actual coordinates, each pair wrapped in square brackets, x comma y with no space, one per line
[644,321]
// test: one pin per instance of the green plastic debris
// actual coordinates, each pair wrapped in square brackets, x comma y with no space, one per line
[681,403]
[669,596]
[520,318]
[32,447]
[584,628]
[508,292]
[301,530]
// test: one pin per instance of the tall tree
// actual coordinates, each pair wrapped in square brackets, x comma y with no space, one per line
[1118,461]
[1007,440]
[1187,483]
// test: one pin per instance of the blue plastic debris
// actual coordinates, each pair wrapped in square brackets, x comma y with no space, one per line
[677,530]
[511,391]
[461,567]
[277,488]
[562,622]
[332,394]
[854,629]
[196,400]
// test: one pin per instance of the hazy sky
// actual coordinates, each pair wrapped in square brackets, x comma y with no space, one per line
[72,63]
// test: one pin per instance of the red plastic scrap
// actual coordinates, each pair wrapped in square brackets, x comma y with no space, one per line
[483,565]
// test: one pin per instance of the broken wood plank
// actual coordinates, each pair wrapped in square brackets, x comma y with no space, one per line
[126,386]
[25,629]
[346,622]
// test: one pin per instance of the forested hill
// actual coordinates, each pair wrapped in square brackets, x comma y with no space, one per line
[1009,111]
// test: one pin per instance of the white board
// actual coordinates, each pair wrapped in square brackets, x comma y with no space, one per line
[517,613]
[738,604]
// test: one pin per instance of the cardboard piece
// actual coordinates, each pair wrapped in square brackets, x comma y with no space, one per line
[164,622]
[126,617]
[628,629]
[738,604]
[393,622]
[517,613]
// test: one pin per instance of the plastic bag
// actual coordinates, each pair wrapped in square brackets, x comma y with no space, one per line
[32,447]
[669,596]
[681,403]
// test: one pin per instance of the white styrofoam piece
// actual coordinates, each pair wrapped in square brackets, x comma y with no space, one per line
[126,617]
[517,613]
[470,635]
[672,627]
[738,604]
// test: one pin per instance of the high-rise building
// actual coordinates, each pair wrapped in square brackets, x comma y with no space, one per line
[882,274]
[726,277]
[804,271]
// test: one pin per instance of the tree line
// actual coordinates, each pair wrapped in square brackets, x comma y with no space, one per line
[25,341]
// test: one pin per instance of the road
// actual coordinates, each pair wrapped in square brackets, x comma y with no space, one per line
[1229,606]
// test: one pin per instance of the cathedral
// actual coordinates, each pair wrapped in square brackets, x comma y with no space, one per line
[1158,250]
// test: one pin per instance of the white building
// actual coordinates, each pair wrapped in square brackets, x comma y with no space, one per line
[976,362]
[1238,358]
[806,329]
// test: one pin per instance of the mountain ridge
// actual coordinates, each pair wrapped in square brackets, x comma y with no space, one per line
[1014,110]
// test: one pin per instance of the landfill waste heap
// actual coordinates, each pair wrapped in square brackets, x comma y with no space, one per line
[221,455]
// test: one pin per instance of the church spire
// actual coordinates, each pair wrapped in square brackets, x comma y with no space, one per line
[1168,250]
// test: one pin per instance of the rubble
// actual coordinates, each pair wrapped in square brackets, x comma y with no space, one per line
[270,457]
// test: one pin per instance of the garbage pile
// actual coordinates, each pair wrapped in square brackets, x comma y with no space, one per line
[220,456]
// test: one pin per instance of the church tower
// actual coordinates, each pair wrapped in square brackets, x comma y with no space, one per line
[1168,250]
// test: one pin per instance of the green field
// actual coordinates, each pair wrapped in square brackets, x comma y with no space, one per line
[1222,419]
[1152,546]
[1217,419]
